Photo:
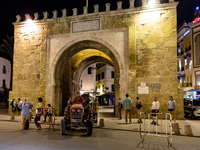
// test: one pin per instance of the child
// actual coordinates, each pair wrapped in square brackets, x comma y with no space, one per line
[48,113]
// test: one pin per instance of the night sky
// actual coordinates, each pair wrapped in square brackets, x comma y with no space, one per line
[10,8]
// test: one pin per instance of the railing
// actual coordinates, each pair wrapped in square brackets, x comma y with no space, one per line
[163,130]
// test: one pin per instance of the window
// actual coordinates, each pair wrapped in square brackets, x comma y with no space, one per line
[112,87]
[96,88]
[99,77]
[96,77]
[4,83]
[102,75]
[112,74]
[81,86]
[89,70]
[4,69]
[103,87]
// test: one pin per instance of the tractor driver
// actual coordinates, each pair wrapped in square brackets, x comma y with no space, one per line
[78,99]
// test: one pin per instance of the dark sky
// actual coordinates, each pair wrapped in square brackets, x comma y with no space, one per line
[10,8]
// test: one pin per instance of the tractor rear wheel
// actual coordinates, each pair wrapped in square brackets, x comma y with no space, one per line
[62,127]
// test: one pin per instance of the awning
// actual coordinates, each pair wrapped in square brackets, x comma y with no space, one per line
[193,90]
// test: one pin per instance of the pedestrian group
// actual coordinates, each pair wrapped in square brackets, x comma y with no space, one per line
[127,105]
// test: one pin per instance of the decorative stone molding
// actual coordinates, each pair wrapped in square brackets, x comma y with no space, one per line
[85,10]
[55,14]
[144,2]
[119,5]
[27,16]
[75,11]
[18,17]
[96,8]
[36,16]
[45,15]
[64,13]
[131,3]
[107,7]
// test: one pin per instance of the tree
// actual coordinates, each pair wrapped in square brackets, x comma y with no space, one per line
[7,48]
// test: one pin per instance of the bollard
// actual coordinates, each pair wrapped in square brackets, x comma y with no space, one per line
[101,123]
[12,117]
[188,130]
[176,129]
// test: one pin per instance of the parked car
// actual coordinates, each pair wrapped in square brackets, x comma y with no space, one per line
[192,107]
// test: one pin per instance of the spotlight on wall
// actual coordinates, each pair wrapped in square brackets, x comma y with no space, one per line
[151,2]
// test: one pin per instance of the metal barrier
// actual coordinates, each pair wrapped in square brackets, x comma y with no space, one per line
[154,129]
[51,119]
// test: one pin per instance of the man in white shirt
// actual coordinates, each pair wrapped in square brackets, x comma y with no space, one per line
[155,109]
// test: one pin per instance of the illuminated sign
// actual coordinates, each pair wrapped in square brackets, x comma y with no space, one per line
[196,20]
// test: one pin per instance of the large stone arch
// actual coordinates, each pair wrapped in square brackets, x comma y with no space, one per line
[54,83]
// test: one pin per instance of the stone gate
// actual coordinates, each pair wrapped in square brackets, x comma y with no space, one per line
[140,43]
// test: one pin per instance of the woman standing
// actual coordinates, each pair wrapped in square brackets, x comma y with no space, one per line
[25,106]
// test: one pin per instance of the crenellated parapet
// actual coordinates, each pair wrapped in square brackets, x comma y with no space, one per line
[146,5]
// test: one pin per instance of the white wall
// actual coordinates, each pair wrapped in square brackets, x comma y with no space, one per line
[88,80]
[5,62]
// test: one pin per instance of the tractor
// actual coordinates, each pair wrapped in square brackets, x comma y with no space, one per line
[77,116]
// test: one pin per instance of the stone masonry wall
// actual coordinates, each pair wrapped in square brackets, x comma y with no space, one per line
[152,51]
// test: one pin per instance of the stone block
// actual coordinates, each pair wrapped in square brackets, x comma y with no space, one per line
[176,129]
[101,123]
[188,130]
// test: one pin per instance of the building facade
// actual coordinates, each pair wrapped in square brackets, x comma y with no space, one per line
[87,81]
[105,84]
[188,60]
[5,77]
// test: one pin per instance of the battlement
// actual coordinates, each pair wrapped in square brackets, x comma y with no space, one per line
[147,5]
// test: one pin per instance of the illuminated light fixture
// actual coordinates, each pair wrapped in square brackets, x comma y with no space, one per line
[188,31]
[197,8]
[151,2]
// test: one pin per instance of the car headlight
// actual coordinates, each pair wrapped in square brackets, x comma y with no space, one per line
[78,110]
[73,110]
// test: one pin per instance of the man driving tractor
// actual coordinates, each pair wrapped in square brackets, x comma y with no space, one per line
[78,99]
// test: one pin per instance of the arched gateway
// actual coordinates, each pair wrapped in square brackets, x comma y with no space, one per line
[140,43]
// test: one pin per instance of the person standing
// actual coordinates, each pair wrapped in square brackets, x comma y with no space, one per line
[127,105]
[39,111]
[18,109]
[120,107]
[25,106]
[138,105]
[172,107]
[13,109]
[155,109]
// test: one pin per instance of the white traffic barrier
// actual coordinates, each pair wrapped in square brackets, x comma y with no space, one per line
[164,129]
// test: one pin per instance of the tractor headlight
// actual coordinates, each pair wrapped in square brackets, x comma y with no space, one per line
[73,110]
[78,110]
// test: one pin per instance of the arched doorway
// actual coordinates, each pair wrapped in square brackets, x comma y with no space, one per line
[64,69]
